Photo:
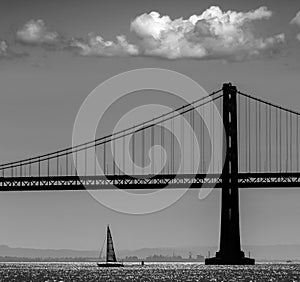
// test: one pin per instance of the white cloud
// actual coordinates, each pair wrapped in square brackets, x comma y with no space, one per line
[213,34]
[3,49]
[296,20]
[36,32]
[7,53]
[95,45]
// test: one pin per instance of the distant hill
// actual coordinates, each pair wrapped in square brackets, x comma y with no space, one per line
[44,253]
[272,252]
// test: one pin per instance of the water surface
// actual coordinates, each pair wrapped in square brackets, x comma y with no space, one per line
[164,272]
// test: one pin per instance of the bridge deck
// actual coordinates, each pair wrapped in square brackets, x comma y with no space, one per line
[65,183]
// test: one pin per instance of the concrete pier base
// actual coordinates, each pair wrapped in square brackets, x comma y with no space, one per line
[229,261]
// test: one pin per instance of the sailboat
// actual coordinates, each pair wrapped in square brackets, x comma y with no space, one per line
[111,259]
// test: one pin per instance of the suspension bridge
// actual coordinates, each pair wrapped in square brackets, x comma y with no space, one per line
[256,145]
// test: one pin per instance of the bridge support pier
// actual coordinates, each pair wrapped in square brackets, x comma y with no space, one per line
[230,247]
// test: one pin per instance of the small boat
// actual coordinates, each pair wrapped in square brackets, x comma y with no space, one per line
[111,259]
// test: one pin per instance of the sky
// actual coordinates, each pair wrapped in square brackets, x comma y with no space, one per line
[54,53]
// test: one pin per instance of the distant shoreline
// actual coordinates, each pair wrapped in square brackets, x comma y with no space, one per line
[266,253]
[8,259]
[85,259]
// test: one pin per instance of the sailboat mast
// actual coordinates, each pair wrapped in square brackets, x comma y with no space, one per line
[107,243]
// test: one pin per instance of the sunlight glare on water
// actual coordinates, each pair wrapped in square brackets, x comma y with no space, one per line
[165,272]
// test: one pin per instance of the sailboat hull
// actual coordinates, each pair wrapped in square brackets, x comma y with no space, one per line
[112,264]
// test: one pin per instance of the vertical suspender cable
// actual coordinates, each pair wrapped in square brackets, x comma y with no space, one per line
[256,136]
[123,151]
[113,156]
[276,137]
[85,161]
[133,156]
[270,139]
[249,133]
[67,164]
[172,145]
[39,170]
[213,132]
[182,142]
[152,148]
[280,137]
[162,146]
[209,131]
[39,167]
[286,141]
[76,162]
[297,142]
[246,134]
[191,141]
[291,142]
[57,164]
[203,142]
[143,151]
[259,137]
[104,157]
[266,143]
[95,159]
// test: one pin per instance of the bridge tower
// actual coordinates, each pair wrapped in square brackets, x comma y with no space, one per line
[230,247]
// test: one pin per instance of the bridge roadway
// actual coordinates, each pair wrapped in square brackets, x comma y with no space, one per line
[75,183]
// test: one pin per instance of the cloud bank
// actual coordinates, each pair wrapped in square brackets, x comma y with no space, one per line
[35,32]
[296,20]
[214,34]
[3,49]
[96,46]
[7,53]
